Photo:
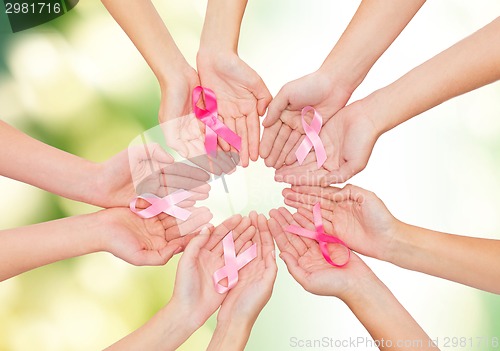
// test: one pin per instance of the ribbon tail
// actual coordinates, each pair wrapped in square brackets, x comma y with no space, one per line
[303,150]
[210,141]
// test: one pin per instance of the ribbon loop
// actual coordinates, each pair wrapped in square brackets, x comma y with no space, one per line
[232,264]
[213,126]
[312,138]
[167,204]
[321,237]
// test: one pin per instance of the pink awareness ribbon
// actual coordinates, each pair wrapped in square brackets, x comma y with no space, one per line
[320,236]
[312,138]
[213,125]
[232,264]
[167,204]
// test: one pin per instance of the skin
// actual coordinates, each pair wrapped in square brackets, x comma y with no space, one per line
[330,87]
[241,93]
[361,219]
[117,231]
[176,78]
[354,130]
[113,183]
[355,284]
[238,308]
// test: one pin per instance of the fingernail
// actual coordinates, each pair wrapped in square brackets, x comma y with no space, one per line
[278,178]
[178,250]
[274,254]
[204,231]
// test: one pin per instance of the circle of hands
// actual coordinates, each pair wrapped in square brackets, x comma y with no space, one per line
[356,216]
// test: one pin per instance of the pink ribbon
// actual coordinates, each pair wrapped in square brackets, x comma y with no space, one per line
[320,236]
[213,125]
[312,138]
[167,204]
[232,264]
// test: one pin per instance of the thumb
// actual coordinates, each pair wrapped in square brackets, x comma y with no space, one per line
[343,174]
[194,246]
[271,267]
[276,107]
[297,272]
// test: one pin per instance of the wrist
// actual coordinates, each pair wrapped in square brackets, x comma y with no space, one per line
[231,335]
[181,318]
[176,75]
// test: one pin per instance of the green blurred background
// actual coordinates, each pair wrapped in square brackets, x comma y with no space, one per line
[79,84]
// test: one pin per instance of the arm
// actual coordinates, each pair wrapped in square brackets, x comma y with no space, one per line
[242,95]
[118,231]
[466,260]
[362,220]
[467,65]
[31,161]
[355,284]
[374,26]
[108,184]
[26,248]
[144,26]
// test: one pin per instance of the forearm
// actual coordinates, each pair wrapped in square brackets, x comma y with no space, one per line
[26,248]
[466,260]
[385,318]
[166,330]
[469,64]
[373,28]
[230,336]
[144,26]
[221,29]
[31,161]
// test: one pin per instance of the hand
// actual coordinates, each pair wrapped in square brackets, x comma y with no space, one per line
[355,215]
[349,138]
[283,131]
[150,241]
[117,178]
[182,130]
[244,302]
[307,265]
[241,95]
[194,287]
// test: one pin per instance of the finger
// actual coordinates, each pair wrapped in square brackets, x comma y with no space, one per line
[289,145]
[276,107]
[241,130]
[266,239]
[199,217]
[262,94]
[308,198]
[245,240]
[225,161]
[149,257]
[305,174]
[296,240]
[185,170]
[279,142]
[253,127]
[195,245]
[292,240]
[292,264]
[291,157]
[282,239]
[222,229]
[230,121]
[268,136]
[238,230]
[344,173]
